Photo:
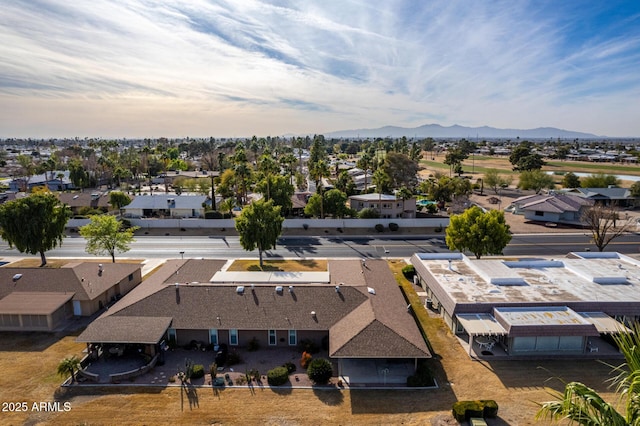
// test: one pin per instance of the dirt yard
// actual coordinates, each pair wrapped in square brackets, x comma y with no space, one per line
[28,363]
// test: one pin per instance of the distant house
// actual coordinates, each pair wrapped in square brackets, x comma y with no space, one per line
[79,200]
[389,206]
[167,206]
[170,176]
[299,202]
[44,299]
[55,181]
[619,197]
[554,208]
[353,310]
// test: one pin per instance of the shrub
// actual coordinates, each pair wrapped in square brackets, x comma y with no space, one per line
[432,208]
[368,213]
[409,271]
[233,358]
[309,346]
[393,226]
[213,370]
[212,214]
[291,367]
[253,345]
[320,370]
[197,372]
[305,359]
[278,376]
[379,227]
[422,377]
[241,380]
[463,410]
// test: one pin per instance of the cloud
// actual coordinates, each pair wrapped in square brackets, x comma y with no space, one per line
[315,66]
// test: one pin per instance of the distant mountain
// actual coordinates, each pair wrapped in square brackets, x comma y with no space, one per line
[455,131]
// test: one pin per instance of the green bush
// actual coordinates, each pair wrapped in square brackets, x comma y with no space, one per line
[393,226]
[463,410]
[379,227]
[409,271]
[278,376]
[368,213]
[422,377]
[432,208]
[291,367]
[309,346]
[320,370]
[198,371]
[212,214]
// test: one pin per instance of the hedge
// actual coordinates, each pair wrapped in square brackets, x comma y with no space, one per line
[464,410]
[320,370]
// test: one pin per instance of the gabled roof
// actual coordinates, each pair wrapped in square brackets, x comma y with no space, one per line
[555,203]
[33,303]
[159,202]
[85,199]
[607,193]
[115,329]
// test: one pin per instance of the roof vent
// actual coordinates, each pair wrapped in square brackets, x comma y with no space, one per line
[371,290]
[290,289]
[240,289]
[16,277]
[337,289]
[279,289]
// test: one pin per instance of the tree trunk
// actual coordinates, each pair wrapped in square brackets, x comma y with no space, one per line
[113,257]
[43,259]
[260,254]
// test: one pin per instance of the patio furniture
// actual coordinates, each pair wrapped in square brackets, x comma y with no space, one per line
[219,381]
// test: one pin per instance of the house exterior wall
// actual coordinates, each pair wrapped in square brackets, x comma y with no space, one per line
[387,208]
[545,217]
[185,336]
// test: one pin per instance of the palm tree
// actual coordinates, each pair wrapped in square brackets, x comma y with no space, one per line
[365,163]
[317,171]
[582,405]
[380,179]
[404,193]
[69,366]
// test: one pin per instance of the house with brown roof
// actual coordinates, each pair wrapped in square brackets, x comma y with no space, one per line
[355,310]
[556,208]
[44,299]
[79,200]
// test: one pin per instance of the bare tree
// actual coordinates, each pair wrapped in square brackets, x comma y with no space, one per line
[605,224]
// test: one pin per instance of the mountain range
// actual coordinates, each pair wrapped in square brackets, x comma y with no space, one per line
[456,131]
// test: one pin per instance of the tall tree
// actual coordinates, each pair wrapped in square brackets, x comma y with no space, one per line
[600,180]
[454,159]
[479,232]
[494,180]
[259,226]
[381,180]
[364,162]
[278,189]
[404,193]
[34,224]
[402,170]
[536,180]
[523,158]
[317,171]
[106,235]
[583,405]
[571,180]
[604,224]
[119,199]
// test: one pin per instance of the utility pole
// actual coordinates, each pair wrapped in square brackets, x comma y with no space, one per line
[213,193]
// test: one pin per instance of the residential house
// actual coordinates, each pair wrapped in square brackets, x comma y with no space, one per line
[354,309]
[540,307]
[555,208]
[167,206]
[55,181]
[614,196]
[80,200]
[389,206]
[44,299]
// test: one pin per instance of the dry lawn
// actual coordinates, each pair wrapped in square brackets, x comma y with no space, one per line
[28,362]
[285,265]
[29,262]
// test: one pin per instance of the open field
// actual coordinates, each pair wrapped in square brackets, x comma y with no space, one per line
[28,362]
[286,265]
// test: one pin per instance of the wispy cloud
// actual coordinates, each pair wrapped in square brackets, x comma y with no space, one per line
[243,67]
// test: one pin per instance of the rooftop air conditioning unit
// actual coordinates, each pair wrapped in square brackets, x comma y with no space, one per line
[279,289]
[240,289]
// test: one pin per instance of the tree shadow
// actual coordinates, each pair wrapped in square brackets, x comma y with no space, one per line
[329,395]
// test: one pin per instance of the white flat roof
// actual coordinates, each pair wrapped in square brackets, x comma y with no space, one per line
[552,315]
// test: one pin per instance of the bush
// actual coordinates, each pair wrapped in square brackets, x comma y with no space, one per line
[368,213]
[309,346]
[393,226]
[291,367]
[409,271]
[463,410]
[305,359]
[320,370]
[379,227]
[432,208]
[213,370]
[278,376]
[422,377]
[212,214]
[233,358]
[197,372]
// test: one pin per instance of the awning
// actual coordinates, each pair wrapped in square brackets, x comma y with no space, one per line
[604,323]
[480,324]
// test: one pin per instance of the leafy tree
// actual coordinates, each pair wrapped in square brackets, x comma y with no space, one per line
[320,370]
[335,202]
[401,169]
[106,235]
[604,225]
[583,405]
[314,205]
[381,180]
[278,189]
[364,163]
[34,224]
[344,182]
[494,180]
[523,158]
[536,180]
[69,366]
[259,226]
[454,159]
[368,213]
[599,180]
[119,199]
[571,180]
[480,233]
[635,189]
[317,171]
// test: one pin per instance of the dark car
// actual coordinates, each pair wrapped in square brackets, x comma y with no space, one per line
[221,355]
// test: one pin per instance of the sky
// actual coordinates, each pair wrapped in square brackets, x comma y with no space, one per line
[238,68]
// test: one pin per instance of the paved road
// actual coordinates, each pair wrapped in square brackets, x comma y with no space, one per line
[373,246]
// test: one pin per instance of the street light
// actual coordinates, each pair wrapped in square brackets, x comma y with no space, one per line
[182,254]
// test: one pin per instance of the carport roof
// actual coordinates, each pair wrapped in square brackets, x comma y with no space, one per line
[125,329]
[33,303]
[604,323]
[481,324]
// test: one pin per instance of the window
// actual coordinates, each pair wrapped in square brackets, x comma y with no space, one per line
[233,337]
[272,337]
[213,336]
[293,338]
[130,277]
[171,335]
[539,213]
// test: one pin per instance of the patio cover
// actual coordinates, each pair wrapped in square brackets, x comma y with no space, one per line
[33,303]
[480,324]
[125,329]
[604,323]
